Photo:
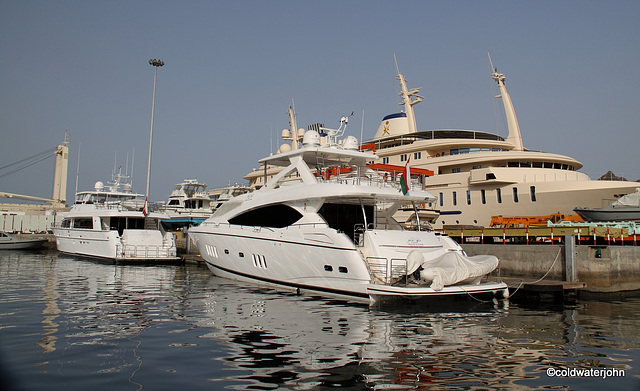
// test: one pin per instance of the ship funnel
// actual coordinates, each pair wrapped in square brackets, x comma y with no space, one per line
[393,125]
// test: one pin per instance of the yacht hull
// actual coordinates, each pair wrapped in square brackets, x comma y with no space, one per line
[108,245]
[266,256]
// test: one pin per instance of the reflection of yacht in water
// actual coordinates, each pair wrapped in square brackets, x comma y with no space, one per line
[302,342]
[478,175]
[325,223]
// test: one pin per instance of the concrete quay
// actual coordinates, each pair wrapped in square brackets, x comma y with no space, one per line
[595,271]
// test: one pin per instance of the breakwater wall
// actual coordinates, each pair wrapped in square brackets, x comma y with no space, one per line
[605,269]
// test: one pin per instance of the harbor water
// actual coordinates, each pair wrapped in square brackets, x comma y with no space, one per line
[69,323]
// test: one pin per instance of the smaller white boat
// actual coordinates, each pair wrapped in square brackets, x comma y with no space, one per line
[113,223]
[188,205]
[627,208]
[221,195]
[14,242]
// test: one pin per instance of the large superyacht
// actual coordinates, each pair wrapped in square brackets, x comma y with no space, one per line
[478,175]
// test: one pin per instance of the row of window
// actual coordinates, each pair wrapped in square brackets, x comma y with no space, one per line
[260,261]
[483,196]
[460,151]
[557,166]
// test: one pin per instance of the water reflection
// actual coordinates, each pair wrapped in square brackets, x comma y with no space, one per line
[104,325]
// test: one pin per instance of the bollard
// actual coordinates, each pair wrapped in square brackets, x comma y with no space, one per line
[570,268]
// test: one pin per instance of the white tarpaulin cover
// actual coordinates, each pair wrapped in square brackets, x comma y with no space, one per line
[450,268]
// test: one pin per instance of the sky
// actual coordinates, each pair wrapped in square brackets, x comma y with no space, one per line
[232,69]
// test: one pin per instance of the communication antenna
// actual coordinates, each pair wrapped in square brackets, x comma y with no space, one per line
[396,61]
[491,63]
[78,168]
[133,155]
[362,129]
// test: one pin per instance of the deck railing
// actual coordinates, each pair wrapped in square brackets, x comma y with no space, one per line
[386,271]
[144,251]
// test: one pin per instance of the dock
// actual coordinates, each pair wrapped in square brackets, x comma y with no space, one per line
[584,235]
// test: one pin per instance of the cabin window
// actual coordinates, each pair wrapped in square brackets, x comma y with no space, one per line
[404,157]
[83,223]
[67,223]
[515,194]
[455,198]
[174,202]
[532,190]
[328,268]
[273,216]
[468,197]
[343,269]
[483,196]
[499,195]
[490,176]
[385,160]
[441,199]
[455,170]
[417,155]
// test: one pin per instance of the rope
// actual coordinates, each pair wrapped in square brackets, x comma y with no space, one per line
[540,279]
[521,281]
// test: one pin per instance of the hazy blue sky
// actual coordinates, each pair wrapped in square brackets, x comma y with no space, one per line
[233,67]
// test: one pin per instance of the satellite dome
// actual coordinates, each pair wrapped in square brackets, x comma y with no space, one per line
[284,148]
[350,143]
[311,138]
[99,186]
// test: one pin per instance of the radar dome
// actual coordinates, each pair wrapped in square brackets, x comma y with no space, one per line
[284,148]
[99,186]
[285,133]
[350,143]
[126,188]
[311,138]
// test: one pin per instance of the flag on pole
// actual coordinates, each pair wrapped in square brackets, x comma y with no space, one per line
[405,180]
[145,208]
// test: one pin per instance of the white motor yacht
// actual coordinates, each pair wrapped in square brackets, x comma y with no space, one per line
[325,224]
[116,224]
[477,175]
[188,204]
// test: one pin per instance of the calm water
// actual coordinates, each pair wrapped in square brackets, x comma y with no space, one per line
[73,324]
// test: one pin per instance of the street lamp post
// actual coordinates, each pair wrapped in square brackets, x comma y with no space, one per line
[156,64]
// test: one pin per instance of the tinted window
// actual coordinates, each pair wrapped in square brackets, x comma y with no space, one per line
[274,216]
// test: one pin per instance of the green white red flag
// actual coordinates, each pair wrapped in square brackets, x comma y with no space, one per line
[405,180]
